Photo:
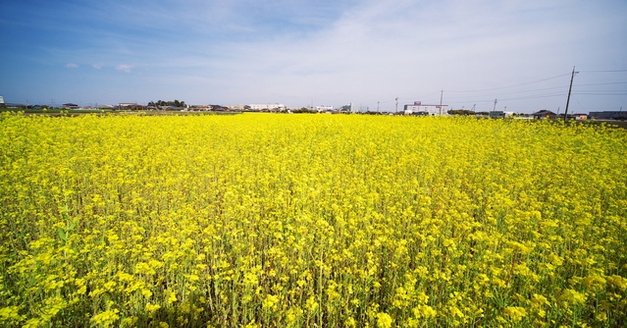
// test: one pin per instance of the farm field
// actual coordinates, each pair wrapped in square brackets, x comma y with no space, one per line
[263,220]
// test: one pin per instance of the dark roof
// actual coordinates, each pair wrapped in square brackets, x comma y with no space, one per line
[544,112]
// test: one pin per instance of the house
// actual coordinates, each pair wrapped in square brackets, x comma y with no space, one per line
[497,114]
[500,114]
[70,106]
[581,116]
[238,107]
[609,115]
[128,106]
[544,114]
[197,108]
[219,108]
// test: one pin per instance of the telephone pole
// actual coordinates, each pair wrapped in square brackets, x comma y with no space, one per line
[572,76]
[441,95]
[396,104]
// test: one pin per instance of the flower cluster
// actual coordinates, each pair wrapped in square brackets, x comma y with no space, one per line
[262,220]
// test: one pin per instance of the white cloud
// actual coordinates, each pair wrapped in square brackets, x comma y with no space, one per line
[360,51]
[408,49]
[124,68]
[71,65]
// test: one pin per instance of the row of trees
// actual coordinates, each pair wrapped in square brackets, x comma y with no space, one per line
[465,112]
[174,103]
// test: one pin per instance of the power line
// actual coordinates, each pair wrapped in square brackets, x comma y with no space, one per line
[607,71]
[475,100]
[601,93]
[516,85]
[604,83]
[517,92]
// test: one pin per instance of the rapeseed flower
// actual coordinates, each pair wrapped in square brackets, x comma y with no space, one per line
[270,220]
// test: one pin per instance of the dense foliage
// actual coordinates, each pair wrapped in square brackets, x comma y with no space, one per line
[311,220]
[175,103]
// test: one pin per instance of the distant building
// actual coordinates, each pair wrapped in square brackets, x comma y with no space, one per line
[608,115]
[350,108]
[267,106]
[581,116]
[497,114]
[324,108]
[500,114]
[238,107]
[1,100]
[419,109]
[70,106]
[544,114]
[128,106]
[199,108]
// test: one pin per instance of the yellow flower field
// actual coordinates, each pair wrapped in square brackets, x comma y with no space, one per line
[262,220]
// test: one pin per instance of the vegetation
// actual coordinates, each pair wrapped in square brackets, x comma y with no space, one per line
[174,103]
[461,112]
[265,220]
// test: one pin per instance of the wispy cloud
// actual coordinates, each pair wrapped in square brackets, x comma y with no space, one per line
[71,65]
[124,68]
[97,65]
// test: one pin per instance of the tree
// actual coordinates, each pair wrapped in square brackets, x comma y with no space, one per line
[461,112]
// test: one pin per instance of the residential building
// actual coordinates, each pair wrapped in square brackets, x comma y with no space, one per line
[609,115]
[544,114]
[70,106]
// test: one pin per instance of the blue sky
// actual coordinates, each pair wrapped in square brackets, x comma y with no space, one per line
[303,53]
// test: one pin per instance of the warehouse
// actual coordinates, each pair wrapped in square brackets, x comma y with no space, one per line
[420,109]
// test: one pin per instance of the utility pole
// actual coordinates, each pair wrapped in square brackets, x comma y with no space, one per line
[572,76]
[377,106]
[441,95]
[396,104]
[495,101]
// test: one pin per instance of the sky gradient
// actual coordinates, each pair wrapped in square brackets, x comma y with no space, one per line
[303,53]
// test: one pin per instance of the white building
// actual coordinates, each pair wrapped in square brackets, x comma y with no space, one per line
[267,106]
[1,100]
[419,109]
[324,108]
[237,107]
